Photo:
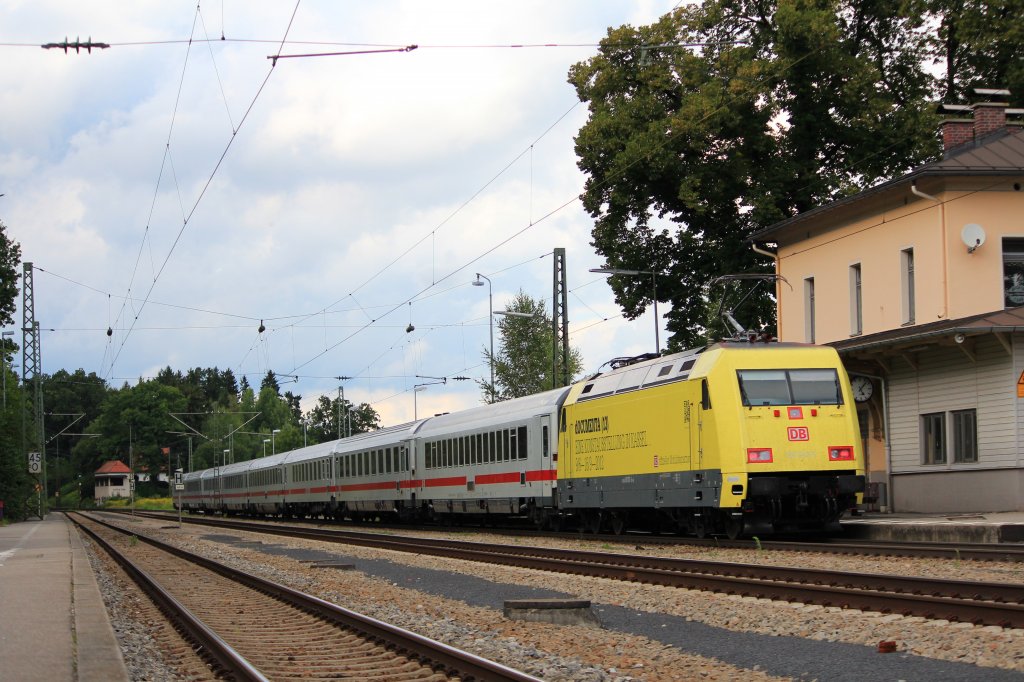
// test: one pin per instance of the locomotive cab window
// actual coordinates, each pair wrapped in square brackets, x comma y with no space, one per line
[789,387]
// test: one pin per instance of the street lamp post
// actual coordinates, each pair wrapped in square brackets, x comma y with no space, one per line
[654,285]
[265,441]
[490,320]
[273,441]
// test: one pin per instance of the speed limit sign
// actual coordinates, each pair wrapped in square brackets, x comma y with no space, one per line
[35,462]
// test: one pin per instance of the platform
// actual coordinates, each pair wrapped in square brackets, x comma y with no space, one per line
[53,623]
[995,527]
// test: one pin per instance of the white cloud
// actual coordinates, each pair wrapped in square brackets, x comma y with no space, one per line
[343,164]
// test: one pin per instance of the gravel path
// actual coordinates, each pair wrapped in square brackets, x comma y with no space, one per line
[649,632]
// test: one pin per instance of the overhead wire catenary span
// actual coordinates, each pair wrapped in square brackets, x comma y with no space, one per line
[662,143]
[202,192]
[450,274]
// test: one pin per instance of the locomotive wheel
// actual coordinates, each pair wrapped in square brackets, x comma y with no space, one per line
[618,522]
[700,529]
[592,522]
[733,527]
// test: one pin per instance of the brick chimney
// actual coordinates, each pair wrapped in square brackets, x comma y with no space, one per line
[955,132]
[988,117]
[971,123]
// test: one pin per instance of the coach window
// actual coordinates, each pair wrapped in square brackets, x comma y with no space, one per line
[933,438]
[479,448]
[522,442]
[544,439]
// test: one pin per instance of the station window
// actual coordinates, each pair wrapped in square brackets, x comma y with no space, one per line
[907,284]
[933,438]
[1013,272]
[965,436]
[809,310]
[856,302]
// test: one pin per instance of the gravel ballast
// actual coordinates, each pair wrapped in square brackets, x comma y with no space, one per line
[649,632]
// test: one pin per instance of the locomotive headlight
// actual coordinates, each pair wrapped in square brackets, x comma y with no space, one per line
[759,455]
[840,453]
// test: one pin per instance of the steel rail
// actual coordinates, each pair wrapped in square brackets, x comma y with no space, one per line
[451,659]
[977,602]
[215,648]
[959,551]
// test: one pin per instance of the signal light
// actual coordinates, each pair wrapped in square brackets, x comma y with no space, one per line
[840,453]
[759,455]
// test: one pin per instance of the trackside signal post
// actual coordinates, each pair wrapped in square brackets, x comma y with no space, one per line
[179,485]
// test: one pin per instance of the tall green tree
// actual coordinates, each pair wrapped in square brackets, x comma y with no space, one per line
[979,42]
[523,365]
[133,424]
[16,485]
[73,401]
[10,263]
[725,117]
[330,416]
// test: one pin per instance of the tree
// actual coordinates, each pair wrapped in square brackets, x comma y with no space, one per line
[66,395]
[10,259]
[523,366]
[133,421]
[16,485]
[322,420]
[979,42]
[270,381]
[784,106]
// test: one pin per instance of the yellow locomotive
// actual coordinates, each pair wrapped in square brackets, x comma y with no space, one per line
[737,438]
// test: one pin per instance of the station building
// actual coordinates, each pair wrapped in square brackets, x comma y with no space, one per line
[112,480]
[919,284]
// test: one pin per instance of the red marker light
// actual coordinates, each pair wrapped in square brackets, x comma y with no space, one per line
[840,453]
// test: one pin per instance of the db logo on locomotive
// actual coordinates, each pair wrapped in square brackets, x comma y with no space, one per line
[798,433]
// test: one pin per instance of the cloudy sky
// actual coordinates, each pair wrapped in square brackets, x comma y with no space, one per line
[179,193]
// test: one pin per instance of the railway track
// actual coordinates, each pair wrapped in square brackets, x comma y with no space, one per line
[874,548]
[254,629]
[974,602]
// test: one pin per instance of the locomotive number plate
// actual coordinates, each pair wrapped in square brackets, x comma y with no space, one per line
[798,433]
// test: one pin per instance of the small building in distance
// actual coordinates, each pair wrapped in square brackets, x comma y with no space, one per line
[112,480]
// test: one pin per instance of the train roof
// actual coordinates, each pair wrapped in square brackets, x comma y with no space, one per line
[497,413]
[386,437]
[629,377]
[307,453]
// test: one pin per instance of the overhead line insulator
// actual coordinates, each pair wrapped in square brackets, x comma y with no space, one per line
[77,45]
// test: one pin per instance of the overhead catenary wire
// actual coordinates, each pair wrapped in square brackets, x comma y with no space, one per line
[205,186]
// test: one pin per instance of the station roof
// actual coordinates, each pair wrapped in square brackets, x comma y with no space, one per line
[113,466]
